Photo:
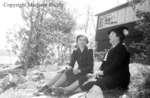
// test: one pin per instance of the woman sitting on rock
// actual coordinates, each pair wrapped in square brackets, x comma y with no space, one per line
[113,76]
[74,77]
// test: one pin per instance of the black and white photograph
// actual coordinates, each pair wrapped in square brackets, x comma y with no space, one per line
[75,49]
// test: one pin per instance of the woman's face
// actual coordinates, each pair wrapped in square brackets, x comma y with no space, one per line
[113,38]
[82,42]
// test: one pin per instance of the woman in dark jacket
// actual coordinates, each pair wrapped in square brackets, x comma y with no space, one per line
[114,71]
[76,77]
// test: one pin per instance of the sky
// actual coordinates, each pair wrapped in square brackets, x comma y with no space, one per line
[10,18]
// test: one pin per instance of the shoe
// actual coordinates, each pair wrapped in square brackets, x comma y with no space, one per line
[58,91]
[41,91]
[48,91]
[43,88]
[38,93]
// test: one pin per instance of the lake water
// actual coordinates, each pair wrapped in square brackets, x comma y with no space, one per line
[8,59]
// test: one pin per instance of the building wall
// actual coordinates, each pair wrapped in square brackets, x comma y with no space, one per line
[103,41]
[122,15]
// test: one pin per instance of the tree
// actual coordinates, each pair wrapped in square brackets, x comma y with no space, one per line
[88,26]
[143,24]
[45,26]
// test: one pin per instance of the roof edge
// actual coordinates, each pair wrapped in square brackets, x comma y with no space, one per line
[113,9]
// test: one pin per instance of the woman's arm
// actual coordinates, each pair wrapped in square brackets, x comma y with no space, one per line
[73,59]
[90,62]
[115,61]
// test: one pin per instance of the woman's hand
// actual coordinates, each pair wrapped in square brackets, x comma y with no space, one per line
[76,71]
[99,73]
[68,67]
[90,75]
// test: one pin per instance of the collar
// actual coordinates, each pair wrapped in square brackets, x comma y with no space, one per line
[119,44]
[85,49]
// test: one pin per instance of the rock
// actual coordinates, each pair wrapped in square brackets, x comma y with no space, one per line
[79,95]
[35,79]
[36,75]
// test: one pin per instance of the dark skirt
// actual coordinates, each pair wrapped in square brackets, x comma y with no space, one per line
[110,90]
[71,77]
[106,84]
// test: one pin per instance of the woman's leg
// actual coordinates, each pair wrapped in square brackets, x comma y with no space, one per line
[50,83]
[72,87]
[78,90]
[55,79]
[61,80]
[75,86]
[87,86]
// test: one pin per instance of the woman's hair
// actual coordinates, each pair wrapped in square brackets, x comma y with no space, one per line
[119,32]
[79,36]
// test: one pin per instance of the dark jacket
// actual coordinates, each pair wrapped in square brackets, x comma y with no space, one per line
[116,68]
[84,60]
